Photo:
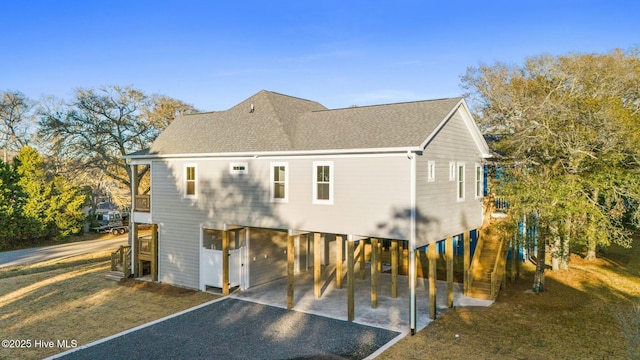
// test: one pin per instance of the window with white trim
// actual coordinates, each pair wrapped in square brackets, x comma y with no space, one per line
[190,181]
[479,178]
[323,182]
[452,171]
[279,182]
[431,171]
[238,168]
[460,184]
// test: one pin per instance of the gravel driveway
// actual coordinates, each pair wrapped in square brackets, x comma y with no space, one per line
[238,329]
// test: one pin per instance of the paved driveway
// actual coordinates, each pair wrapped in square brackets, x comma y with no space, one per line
[32,255]
[237,329]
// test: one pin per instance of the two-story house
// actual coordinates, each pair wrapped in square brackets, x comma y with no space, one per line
[276,183]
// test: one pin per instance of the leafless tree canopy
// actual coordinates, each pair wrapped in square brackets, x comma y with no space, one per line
[99,126]
[15,119]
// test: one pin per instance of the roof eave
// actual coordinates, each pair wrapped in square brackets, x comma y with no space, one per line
[258,154]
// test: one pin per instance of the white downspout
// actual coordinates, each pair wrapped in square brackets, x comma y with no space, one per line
[201,257]
[132,242]
[412,246]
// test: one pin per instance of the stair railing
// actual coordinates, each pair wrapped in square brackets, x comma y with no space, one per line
[497,275]
[475,261]
[121,260]
[127,262]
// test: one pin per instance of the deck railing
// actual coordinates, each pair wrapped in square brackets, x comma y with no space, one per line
[145,244]
[475,262]
[499,270]
[121,260]
[501,204]
[142,203]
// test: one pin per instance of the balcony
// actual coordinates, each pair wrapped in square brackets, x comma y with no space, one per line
[142,209]
[500,207]
[142,203]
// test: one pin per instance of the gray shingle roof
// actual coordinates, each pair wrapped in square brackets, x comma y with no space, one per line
[284,123]
[379,126]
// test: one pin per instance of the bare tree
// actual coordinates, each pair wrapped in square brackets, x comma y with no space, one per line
[15,118]
[99,126]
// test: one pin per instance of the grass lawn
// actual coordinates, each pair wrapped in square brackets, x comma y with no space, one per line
[71,299]
[576,318]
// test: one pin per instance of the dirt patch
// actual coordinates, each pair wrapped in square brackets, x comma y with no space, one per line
[161,289]
[72,300]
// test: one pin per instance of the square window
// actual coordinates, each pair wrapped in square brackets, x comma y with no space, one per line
[190,181]
[279,182]
[323,182]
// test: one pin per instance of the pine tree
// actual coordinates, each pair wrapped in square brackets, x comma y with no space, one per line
[11,204]
[52,206]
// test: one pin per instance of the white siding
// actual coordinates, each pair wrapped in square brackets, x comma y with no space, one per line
[178,228]
[440,214]
[371,197]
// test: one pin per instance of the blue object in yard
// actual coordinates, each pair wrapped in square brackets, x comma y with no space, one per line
[458,243]
[521,252]
[528,244]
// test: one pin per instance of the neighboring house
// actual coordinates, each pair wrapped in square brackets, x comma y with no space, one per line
[274,168]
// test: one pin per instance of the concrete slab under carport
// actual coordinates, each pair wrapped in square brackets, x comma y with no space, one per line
[391,314]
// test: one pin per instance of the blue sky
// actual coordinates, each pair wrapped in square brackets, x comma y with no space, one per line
[214,54]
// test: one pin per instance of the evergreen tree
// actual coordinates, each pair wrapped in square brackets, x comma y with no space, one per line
[29,166]
[52,207]
[11,204]
[65,209]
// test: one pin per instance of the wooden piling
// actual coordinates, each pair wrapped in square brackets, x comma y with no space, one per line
[374,273]
[432,256]
[317,265]
[290,274]
[350,281]
[225,262]
[394,269]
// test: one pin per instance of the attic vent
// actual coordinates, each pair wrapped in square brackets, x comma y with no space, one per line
[252,108]
[238,168]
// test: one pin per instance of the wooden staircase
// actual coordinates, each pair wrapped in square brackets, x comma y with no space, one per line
[115,275]
[120,264]
[486,274]
[482,268]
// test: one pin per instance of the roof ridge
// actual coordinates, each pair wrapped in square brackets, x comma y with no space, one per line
[202,113]
[289,96]
[390,104]
[277,114]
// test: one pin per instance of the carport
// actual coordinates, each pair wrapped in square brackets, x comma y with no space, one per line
[331,284]
[391,313]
